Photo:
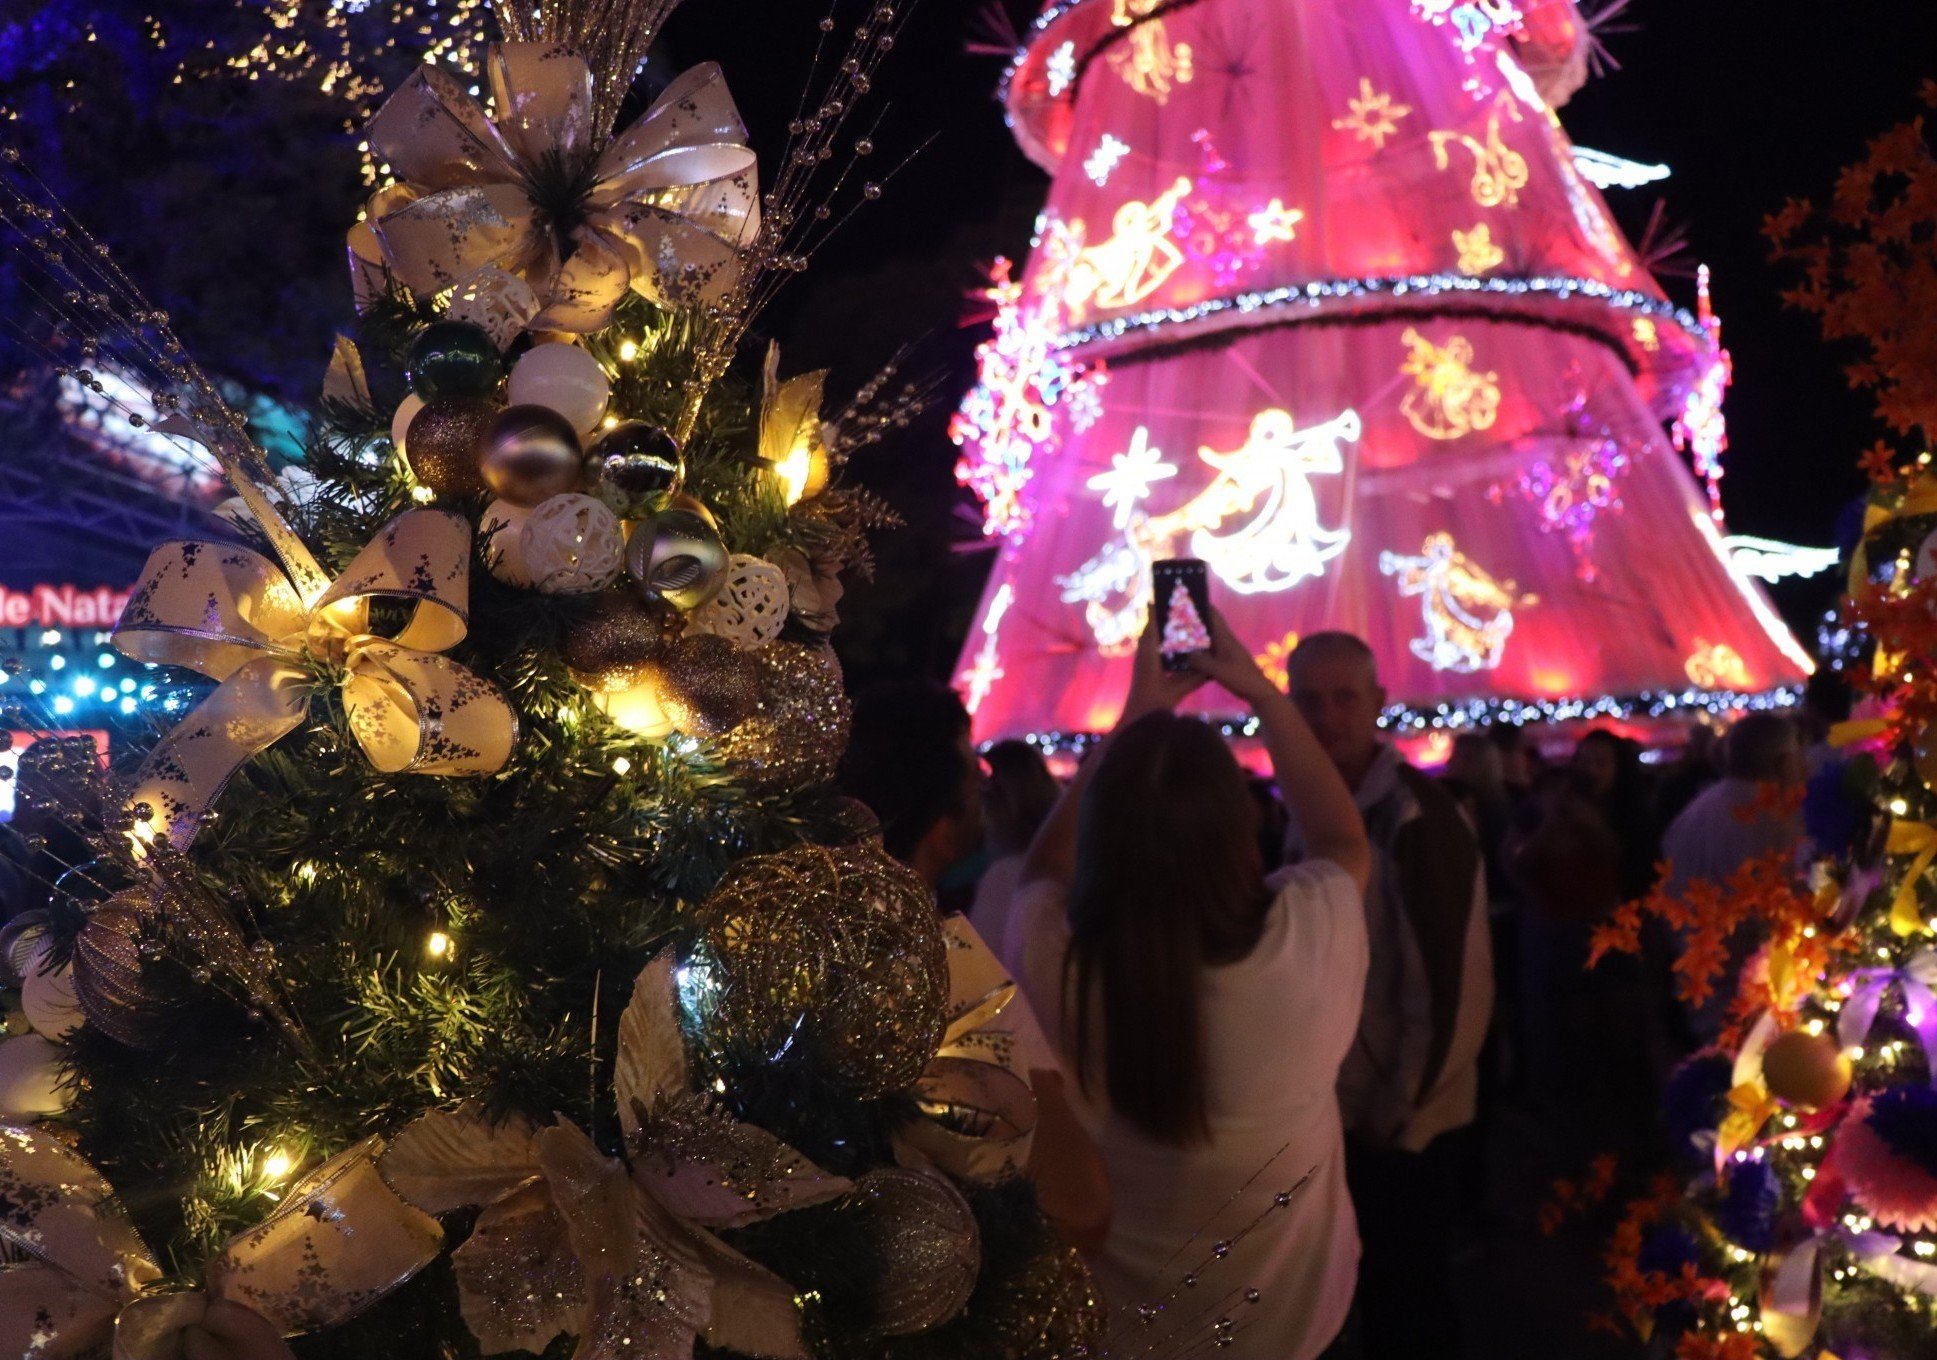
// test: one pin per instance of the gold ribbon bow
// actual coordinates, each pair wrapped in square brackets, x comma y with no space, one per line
[620,1255]
[1918,840]
[980,1112]
[234,616]
[341,1240]
[663,208]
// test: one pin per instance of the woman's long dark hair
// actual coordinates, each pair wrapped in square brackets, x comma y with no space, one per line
[1168,880]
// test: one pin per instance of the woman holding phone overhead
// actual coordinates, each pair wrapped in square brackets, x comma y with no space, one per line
[1204,1010]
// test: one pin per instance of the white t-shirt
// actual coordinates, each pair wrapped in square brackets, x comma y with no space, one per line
[994,909]
[1276,1026]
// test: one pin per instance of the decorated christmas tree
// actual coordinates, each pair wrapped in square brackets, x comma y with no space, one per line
[1184,629]
[478,962]
[1808,1226]
[1321,285]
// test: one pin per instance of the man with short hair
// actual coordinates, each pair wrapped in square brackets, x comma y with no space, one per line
[910,759]
[1745,814]
[1752,812]
[1410,1086]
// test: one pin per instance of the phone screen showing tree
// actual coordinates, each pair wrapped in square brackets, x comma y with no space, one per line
[1183,604]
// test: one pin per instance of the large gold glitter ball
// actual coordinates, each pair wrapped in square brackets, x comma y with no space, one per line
[1050,1310]
[444,441]
[926,1237]
[706,685]
[796,735]
[829,957]
[614,647]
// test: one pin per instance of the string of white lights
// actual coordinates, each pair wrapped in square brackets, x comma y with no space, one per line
[1470,714]
[1319,295]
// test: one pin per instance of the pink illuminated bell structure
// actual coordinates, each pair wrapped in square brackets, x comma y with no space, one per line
[1320,297]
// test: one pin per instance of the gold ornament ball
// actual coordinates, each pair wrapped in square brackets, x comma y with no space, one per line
[832,958]
[796,736]
[1050,1310]
[926,1238]
[1808,1071]
[531,455]
[615,646]
[706,685]
[443,443]
[678,554]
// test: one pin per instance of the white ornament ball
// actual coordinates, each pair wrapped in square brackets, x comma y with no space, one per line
[30,1079]
[572,545]
[501,534]
[564,378]
[407,410]
[752,608]
[47,999]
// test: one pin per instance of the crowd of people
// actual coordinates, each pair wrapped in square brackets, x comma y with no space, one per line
[1268,1020]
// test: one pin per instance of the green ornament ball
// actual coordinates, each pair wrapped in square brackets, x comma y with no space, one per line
[635,468]
[453,359]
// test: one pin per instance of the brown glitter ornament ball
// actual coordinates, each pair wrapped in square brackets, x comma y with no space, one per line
[830,959]
[926,1238]
[1808,1071]
[615,646]
[706,685]
[796,735]
[443,443]
[1050,1310]
[531,455]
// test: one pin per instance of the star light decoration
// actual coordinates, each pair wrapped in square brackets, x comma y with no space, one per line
[1473,20]
[1210,223]
[986,669]
[1702,429]
[1108,154]
[1577,483]
[1372,116]
[1132,474]
[1275,222]
[1009,413]
[1060,70]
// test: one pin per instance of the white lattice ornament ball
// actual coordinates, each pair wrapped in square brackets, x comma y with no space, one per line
[571,545]
[752,608]
[495,301]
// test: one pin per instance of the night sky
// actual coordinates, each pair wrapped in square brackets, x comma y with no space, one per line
[1749,105]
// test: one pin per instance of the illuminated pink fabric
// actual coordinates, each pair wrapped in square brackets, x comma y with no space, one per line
[1619,589]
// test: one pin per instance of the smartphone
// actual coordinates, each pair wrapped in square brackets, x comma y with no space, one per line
[1183,603]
